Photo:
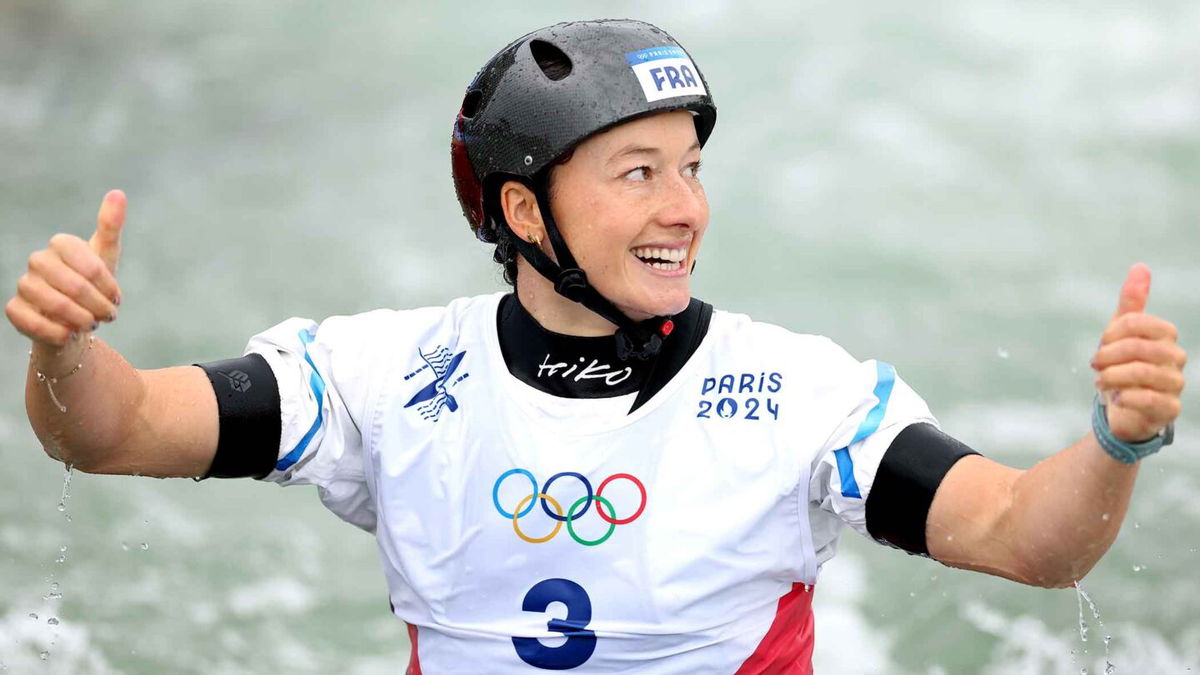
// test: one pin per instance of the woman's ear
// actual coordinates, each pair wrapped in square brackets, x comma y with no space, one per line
[521,211]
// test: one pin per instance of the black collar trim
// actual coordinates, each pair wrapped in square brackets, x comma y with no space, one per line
[570,366]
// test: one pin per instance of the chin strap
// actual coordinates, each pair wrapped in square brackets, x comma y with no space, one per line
[635,339]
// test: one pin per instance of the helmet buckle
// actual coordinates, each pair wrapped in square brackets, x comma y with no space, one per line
[571,283]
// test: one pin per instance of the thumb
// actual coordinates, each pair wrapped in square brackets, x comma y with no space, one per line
[1135,290]
[106,242]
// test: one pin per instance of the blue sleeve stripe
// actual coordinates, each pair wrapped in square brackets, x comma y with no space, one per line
[885,379]
[846,471]
[318,387]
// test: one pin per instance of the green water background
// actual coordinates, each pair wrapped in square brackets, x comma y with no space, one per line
[956,188]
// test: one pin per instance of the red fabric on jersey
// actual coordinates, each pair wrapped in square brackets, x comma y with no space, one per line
[787,647]
[414,662]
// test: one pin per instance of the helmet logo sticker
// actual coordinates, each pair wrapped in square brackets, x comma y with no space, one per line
[665,72]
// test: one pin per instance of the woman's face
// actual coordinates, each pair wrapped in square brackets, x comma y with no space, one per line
[632,211]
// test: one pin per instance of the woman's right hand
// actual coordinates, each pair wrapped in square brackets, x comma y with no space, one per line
[70,286]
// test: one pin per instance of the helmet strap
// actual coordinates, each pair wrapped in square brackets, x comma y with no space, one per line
[635,339]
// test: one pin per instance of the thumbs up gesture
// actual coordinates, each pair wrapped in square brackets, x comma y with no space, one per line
[1139,365]
[70,286]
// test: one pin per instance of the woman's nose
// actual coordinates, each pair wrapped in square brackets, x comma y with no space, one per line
[682,203]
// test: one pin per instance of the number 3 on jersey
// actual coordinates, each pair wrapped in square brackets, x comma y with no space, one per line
[580,642]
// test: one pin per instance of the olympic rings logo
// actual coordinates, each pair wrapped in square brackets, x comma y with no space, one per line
[574,513]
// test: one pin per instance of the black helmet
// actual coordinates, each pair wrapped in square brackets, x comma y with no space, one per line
[549,90]
[541,96]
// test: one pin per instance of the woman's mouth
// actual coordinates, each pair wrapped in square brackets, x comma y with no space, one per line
[662,259]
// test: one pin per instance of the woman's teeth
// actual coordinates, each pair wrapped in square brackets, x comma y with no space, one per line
[665,259]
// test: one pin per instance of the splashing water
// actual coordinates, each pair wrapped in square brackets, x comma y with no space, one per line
[1082,596]
[66,492]
[1083,627]
[54,592]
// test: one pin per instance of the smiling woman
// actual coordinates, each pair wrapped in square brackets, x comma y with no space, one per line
[632,213]
[599,394]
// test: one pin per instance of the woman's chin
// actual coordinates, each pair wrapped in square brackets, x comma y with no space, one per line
[668,305]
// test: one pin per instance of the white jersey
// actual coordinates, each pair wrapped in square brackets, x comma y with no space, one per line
[522,532]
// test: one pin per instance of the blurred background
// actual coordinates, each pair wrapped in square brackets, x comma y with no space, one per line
[956,188]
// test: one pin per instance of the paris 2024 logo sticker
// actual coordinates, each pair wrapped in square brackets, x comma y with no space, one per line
[434,397]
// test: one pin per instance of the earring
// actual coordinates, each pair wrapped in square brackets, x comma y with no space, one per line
[534,239]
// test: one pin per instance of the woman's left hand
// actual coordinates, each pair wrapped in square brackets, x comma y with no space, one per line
[1139,365]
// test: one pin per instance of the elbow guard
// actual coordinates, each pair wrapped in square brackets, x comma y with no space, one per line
[909,475]
[250,419]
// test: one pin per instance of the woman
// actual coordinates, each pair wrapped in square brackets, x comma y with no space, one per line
[673,476]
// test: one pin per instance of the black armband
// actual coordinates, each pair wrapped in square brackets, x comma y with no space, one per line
[909,475]
[251,423]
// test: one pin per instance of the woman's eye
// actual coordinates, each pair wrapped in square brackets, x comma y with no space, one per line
[639,174]
[692,170]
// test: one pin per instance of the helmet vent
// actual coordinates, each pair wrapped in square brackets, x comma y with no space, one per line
[470,104]
[553,62]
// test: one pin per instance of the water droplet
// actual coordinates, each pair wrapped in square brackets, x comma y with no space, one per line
[124,546]
[1109,668]
[1002,352]
[1136,524]
[66,489]
[33,615]
[1138,568]
[1083,596]
[1104,516]
[145,546]
[52,621]
[44,655]
[1083,671]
